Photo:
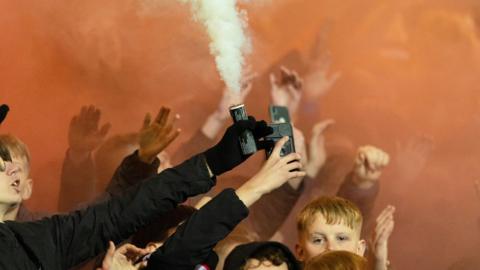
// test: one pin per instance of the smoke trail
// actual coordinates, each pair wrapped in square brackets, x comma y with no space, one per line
[225,26]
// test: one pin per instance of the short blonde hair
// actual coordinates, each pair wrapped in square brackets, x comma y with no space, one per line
[16,147]
[335,210]
[337,260]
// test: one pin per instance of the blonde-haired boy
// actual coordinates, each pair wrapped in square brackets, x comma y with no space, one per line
[329,223]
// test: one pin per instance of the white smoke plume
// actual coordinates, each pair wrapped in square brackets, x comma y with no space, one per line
[225,25]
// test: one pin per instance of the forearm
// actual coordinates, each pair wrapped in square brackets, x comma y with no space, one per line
[213,125]
[77,181]
[131,171]
[268,213]
[363,197]
[249,194]
[194,240]
[83,234]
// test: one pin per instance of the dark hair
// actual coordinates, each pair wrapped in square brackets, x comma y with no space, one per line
[4,156]
[159,230]
[4,153]
[271,251]
[273,254]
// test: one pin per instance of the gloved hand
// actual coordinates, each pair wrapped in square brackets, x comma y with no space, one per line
[227,154]
[3,112]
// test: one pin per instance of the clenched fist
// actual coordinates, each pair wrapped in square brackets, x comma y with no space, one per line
[369,164]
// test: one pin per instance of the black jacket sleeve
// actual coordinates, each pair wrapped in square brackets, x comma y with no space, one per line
[131,172]
[193,242]
[63,241]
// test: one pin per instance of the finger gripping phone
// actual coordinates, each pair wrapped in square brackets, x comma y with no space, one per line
[280,130]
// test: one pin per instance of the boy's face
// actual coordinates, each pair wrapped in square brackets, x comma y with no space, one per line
[10,193]
[320,237]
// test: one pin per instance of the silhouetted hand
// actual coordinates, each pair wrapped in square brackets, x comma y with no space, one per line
[318,80]
[123,258]
[84,134]
[287,90]
[411,157]
[155,136]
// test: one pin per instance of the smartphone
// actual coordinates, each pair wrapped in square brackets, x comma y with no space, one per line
[279,114]
[280,130]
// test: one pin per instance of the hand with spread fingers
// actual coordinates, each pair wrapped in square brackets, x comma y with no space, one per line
[156,135]
[84,133]
[123,258]
[369,164]
[412,156]
[287,90]
[319,79]
[383,230]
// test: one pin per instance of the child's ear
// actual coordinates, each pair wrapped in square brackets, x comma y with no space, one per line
[299,252]
[362,246]
[27,190]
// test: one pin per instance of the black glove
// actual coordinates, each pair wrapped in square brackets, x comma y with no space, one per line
[3,112]
[227,154]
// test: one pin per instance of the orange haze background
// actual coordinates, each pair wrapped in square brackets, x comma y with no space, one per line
[410,71]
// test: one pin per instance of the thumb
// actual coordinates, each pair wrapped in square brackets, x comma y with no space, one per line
[321,126]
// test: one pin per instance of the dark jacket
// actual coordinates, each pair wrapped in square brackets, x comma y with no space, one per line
[192,244]
[63,241]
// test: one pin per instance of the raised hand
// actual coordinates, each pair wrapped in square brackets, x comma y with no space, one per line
[275,172]
[383,231]
[318,80]
[215,121]
[84,134]
[411,157]
[227,153]
[230,98]
[318,153]
[301,149]
[123,258]
[287,90]
[156,135]
[369,164]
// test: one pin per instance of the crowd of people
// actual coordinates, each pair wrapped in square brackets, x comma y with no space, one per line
[126,203]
